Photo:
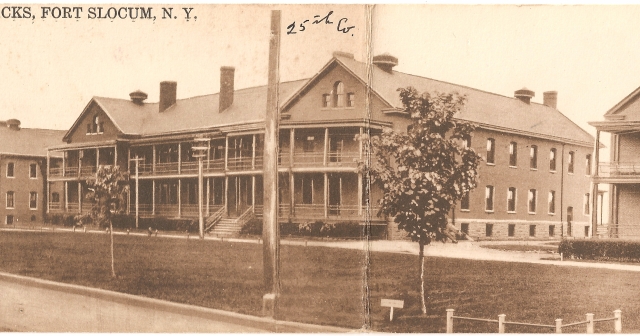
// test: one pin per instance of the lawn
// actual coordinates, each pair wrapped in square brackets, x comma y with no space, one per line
[324,285]
[524,248]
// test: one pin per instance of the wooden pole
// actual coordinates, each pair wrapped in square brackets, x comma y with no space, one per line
[271,234]
[558,326]
[200,215]
[618,321]
[594,193]
[450,321]
[501,319]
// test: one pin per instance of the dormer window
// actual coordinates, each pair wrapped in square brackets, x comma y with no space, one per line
[96,126]
[338,94]
[326,100]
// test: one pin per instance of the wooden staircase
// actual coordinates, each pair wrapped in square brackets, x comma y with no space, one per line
[228,227]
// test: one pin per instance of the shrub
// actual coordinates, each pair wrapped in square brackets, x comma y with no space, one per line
[252,227]
[606,249]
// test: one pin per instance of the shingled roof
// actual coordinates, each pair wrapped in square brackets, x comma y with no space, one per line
[28,141]
[482,107]
[194,113]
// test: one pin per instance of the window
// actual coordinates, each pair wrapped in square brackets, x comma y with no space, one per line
[55,197]
[466,142]
[89,128]
[532,230]
[307,191]
[351,99]
[9,219]
[338,94]
[532,200]
[464,202]
[552,230]
[489,230]
[491,151]
[588,165]
[511,199]
[96,126]
[326,100]
[488,198]
[570,162]
[587,229]
[10,172]
[552,202]
[33,200]
[587,207]
[533,157]
[511,230]
[464,227]
[10,200]
[552,159]
[308,144]
[513,154]
[33,171]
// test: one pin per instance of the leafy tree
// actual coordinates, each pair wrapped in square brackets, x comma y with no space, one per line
[425,171]
[108,196]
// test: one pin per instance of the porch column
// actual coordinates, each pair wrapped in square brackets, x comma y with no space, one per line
[179,158]
[208,156]
[594,193]
[66,196]
[97,159]
[80,156]
[326,145]
[115,156]
[79,197]
[360,142]
[64,163]
[226,192]
[292,193]
[179,198]
[153,197]
[48,166]
[128,157]
[359,194]
[326,195]
[226,155]
[153,164]
[48,193]
[292,142]
[208,194]
[253,190]
[253,153]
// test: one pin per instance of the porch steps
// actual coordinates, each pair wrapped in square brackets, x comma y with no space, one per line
[226,227]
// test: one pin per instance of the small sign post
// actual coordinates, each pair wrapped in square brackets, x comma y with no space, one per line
[391,304]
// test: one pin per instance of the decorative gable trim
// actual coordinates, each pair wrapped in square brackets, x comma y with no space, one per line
[85,111]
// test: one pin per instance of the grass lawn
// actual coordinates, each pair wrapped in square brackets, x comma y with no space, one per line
[324,285]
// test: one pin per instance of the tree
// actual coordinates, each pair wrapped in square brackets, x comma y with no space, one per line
[424,172]
[108,195]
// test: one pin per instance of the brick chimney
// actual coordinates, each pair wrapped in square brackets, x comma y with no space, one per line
[227,74]
[168,91]
[550,98]
[524,95]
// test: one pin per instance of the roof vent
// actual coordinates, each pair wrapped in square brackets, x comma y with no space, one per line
[385,62]
[343,54]
[13,124]
[138,97]
[525,95]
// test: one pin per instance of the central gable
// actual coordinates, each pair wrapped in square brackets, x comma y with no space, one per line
[92,125]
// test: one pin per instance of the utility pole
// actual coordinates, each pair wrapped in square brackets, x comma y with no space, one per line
[137,160]
[270,228]
[200,151]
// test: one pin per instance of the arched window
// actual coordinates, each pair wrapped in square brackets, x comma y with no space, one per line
[338,94]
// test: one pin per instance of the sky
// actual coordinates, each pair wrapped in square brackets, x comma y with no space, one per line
[53,66]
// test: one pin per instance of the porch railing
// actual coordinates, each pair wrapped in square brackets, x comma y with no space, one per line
[343,158]
[73,207]
[71,171]
[239,163]
[166,168]
[87,171]
[214,218]
[308,159]
[189,167]
[215,165]
[619,169]
[55,206]
[167,210]
[55,172]
[189,210]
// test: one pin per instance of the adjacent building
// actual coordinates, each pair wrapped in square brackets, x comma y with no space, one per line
[533,182]
[23,153]
[622,171]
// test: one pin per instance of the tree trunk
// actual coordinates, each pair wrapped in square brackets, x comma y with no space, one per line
[422,294]
[113,267]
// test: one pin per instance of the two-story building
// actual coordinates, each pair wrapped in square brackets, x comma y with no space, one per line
[321,117]
[23,153]
[621,172]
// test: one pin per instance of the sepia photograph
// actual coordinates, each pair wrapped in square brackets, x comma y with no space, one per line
[319,168]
